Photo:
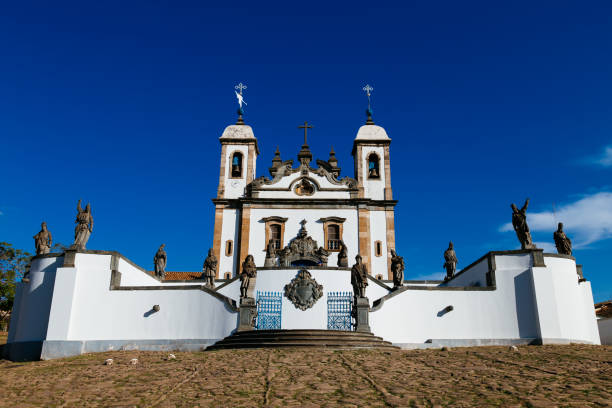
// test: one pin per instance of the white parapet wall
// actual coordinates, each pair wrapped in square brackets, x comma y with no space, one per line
[526,301]
[104,303]
[99,300]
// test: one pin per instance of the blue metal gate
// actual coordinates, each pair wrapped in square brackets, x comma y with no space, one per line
[339,307]
[269,310]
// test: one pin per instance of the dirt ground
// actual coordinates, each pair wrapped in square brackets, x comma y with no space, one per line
[533,376]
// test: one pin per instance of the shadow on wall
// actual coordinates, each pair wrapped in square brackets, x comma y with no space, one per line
[526,312]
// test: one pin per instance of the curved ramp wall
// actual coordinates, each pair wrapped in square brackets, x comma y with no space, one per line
[531,300]
[72,310]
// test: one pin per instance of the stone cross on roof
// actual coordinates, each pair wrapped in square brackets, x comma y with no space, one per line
[305,126]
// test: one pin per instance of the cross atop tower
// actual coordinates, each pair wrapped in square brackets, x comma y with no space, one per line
[305,126]
[368,90]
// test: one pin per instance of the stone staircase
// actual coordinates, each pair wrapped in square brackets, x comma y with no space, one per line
[301,338]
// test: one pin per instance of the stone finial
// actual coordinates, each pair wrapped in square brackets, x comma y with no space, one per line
[276,163]
[369,121]
[333,163]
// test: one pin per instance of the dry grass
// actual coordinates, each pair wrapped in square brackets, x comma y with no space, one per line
[575,375]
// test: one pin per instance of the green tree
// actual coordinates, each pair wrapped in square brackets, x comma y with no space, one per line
[13,265]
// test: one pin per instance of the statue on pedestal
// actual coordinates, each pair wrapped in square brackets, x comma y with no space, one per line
[343,255]
[450,261]
[397,268]
[562,242]
[84,226]
[210,269]
[43,240]
[249,270]
[323,254]
[359,277]
[519,222]
[159,260]
[270,254]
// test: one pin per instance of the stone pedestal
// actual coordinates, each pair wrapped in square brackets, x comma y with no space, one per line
[362,314]
[247,315]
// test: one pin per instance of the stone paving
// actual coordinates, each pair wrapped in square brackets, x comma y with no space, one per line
[534,376]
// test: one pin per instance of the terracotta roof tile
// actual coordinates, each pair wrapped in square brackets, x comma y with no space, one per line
[178,276]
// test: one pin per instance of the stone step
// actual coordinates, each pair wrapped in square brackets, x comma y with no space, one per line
[307,335]
[318,340]
[301,338]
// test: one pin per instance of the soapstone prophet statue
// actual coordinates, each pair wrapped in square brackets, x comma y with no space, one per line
[43,240]
[210,268]
[84,226]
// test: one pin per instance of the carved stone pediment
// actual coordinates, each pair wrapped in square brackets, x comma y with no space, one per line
[303,291]
[302,250]
[286,169]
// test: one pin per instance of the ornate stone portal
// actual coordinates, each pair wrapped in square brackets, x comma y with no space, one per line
[303,250]
[303,291]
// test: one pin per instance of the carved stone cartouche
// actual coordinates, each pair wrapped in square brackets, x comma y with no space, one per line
[303,291]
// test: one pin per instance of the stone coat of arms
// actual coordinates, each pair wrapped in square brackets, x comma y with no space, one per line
[303,291]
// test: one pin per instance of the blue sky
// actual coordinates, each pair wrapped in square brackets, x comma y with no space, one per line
[121,104]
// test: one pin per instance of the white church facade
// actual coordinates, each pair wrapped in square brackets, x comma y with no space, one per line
[304,225]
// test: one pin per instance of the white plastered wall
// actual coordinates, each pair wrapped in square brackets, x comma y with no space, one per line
[314,317]
[78,304]
[378,232]
[229,231]
[528,303]
[374,188]
[257,232]
[605,330]
[290,181]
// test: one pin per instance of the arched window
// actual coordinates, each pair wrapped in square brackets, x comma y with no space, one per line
[227,275]
[379,276]
[237,165]
[333,237]
[373,166]
[275,235]
[229,247]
